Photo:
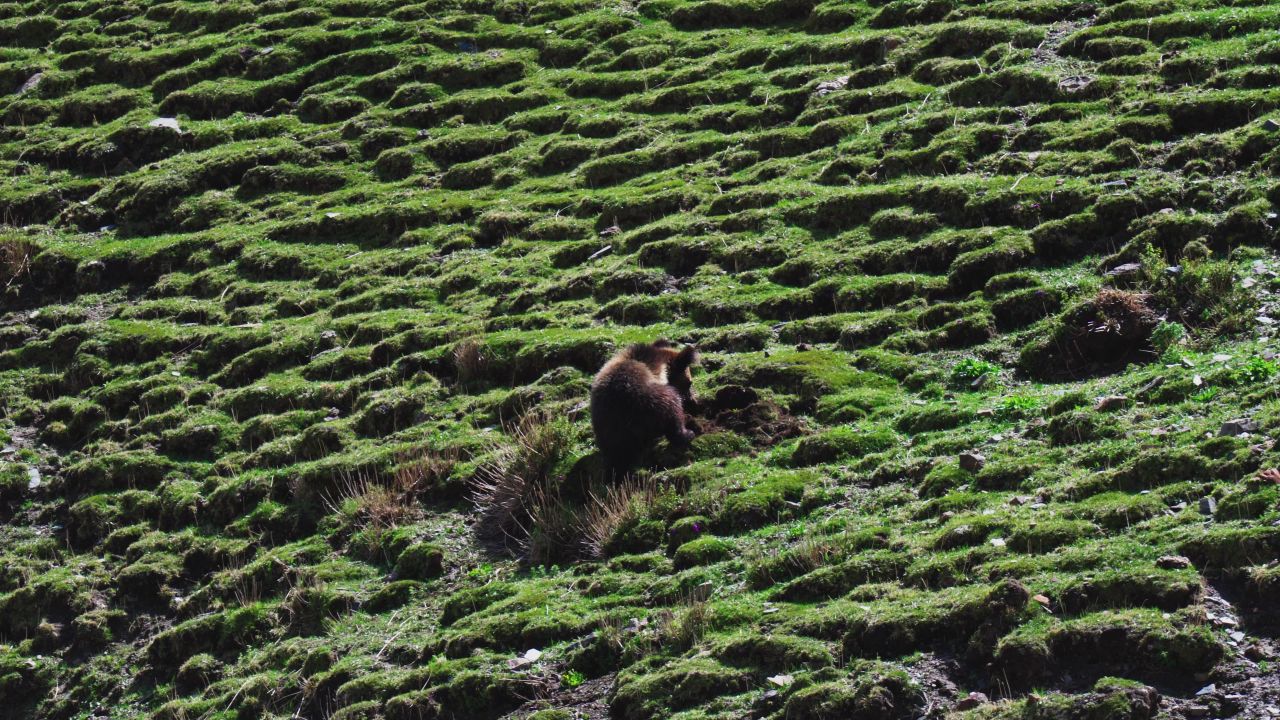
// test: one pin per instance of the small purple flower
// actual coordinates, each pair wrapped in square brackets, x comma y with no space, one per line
[697,527]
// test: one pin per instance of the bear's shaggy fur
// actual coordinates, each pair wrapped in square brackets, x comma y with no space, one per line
[638,397]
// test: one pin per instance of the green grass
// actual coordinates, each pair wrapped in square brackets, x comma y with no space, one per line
[259,362]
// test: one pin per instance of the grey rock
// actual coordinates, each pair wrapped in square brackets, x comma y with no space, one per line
[1208,506]
[830,86]
[1231,428]
[31,84]
[1125,269]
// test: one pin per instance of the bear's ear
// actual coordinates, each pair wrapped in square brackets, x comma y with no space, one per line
[662,343]
[686,358]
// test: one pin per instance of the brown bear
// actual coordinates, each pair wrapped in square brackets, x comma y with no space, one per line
[638,397]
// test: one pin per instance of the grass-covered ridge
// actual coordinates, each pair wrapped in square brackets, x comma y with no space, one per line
[985,292]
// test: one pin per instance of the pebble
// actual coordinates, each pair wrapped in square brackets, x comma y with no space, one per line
[1173,562]
[973,700]
[1111,402]
[166,122]
[30,84]
[997,542]
[1208,505]
[1125,269]
[830,86]
[33,478]
[1232,428]
[972,461]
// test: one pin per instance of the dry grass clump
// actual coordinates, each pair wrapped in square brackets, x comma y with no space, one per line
[518,486]
[615,508]
[520,497]
[469,361]
[368,502]
[16,254]
[423,469]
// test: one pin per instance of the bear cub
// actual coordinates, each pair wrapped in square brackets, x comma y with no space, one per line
[638,397]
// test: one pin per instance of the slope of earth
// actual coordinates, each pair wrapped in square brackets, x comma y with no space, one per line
[302,300]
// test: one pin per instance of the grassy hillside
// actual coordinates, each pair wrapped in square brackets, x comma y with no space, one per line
[302,300]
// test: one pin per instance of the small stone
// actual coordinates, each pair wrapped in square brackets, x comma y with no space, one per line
[1173,562]
[1232,428]
[803,347]
[1115,183]
[1206,690]
[973,700]
[1111,402]
[166,122]
[1196,711]
[830,86]
[31,84]
[946,516]
[1125,269]
[1156,382]
[781,680]
[33,478]
[986,412]
[1040,599]
[1236,635]
[1270,124]
[997,542]
[972,461]
[1221,358]
[980,382]
[1208,506]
